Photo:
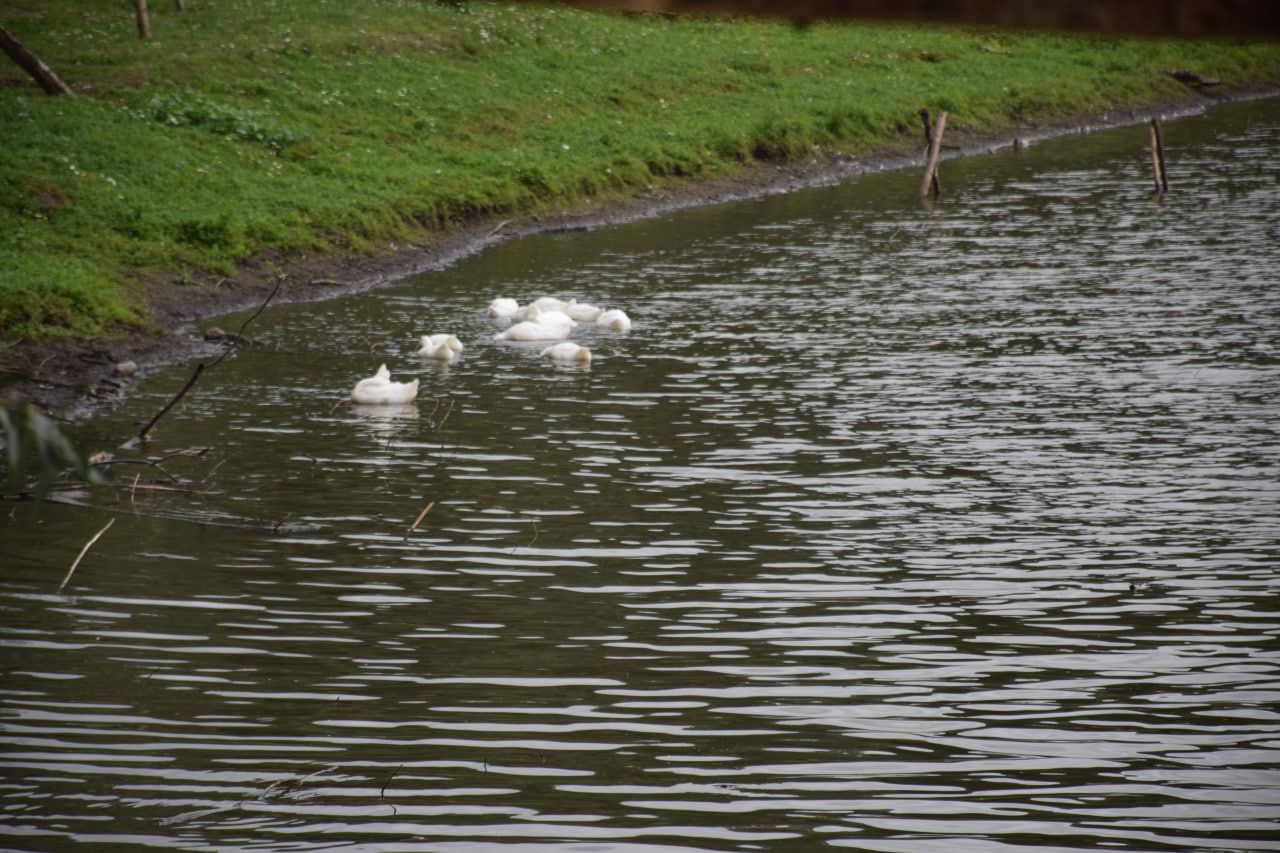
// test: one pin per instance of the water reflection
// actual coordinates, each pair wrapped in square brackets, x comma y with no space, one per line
[882,530]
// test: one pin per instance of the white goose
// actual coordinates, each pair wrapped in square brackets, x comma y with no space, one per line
[582,312]
[550,326]
[444,347]
[568,352]
[379,390]
[549,303]
[502,307]
[615,319]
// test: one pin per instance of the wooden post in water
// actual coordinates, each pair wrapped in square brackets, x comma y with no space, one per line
[935,148]
[928,141]
[144,18]
[1157,156]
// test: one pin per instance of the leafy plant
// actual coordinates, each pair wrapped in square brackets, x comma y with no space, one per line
[194,110]
[36,447]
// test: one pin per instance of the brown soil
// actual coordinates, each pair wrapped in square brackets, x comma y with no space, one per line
[71,378]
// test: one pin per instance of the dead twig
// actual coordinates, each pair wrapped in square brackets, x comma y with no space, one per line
[531,541]
[445,417]
[195,374]
[261,308]
[160,487]
[503,224]
[426,509]
[84,551]
[284,787]
[200,368]
[213,470]
[382,795]
[146,462]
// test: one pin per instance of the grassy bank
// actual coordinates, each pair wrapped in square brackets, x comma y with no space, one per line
[305,125]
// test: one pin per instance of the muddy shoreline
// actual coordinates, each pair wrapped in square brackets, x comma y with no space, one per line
[70,379]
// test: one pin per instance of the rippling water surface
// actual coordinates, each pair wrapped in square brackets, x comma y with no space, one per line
[885,529]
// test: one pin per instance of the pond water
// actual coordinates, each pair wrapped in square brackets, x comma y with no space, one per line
[885,529]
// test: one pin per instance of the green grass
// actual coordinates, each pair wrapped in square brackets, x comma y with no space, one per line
[314,125]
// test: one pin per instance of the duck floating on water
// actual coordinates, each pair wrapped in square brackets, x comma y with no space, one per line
[582,312]
[550,326]
[444,347]
[568,352]
[615,319]
[379,390]
[502,307]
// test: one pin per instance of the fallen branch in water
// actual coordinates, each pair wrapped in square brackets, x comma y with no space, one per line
[200,368]
[160,487]
[280,787]
[382,795]
[445,416]
[85,550]
[147,462]
[284,787]
[172,402]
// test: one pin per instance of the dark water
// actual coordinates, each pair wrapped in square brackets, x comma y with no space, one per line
[834,549]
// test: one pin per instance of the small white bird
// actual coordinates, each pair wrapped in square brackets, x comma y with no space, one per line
[444,347]
[379,390]
[502,307]
[568,352]
[582,312]
[614,319]
[550,326]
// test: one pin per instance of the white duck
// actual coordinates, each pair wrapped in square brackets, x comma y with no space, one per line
[444,347]
[502,307]
[582,312]
[379,390]
[568,352]
[550,303]
[550,326]
[615,319]
[525,312]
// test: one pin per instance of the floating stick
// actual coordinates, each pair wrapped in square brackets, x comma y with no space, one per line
[426,509]
[84,551]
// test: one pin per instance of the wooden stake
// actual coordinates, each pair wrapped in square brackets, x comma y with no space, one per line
[1157,156]
[144,18]
[935,148]
[30,63]
[928,130]
[928,143]
[83,551]
[182,5]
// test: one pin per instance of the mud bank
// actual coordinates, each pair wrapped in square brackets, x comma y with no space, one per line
[70,379]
